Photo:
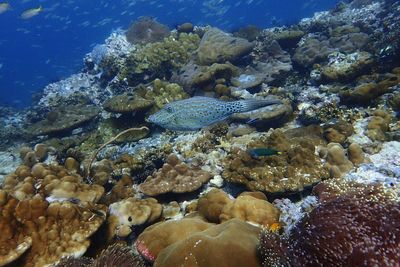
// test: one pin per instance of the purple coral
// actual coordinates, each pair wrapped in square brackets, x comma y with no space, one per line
[347,231]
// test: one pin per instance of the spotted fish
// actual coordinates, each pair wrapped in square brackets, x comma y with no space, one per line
[197,112]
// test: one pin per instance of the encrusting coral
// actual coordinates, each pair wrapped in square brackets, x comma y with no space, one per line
[176,177]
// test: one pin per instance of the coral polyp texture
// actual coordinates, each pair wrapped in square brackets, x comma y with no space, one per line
[296,167]
[349,229]
[190,145]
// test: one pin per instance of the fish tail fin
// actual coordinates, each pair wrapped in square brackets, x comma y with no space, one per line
[252,104]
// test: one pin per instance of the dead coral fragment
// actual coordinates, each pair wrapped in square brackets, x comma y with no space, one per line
[296,167]
[176,177]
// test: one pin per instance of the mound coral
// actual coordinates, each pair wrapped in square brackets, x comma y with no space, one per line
[349,230]
[160,235]
[146,30]
[233,243]
[217,46]
[131,212]
[176,177]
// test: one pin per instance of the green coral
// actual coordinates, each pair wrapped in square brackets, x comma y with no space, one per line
[163,93]
[156,59]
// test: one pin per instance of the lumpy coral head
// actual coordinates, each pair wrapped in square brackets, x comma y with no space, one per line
[347,231]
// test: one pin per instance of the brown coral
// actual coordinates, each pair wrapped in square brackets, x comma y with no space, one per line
[233,243]
[132,212]
[337,160]
[176,177]
[251,209]
[296,167]
[54,229]
[210,205]
[160,235]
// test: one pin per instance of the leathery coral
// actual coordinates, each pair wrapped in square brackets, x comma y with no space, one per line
[54,229]
[359,228]
[176,177]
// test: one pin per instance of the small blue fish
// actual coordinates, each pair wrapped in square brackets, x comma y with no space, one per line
[256,153]
[197,112]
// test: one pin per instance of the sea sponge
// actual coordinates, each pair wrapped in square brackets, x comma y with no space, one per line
[211,204]
[176,177]
[233,243]
[250,209]
[146,30]
[349,230]
[158,236]
[131,212]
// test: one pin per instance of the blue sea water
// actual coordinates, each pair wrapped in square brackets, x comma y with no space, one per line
[51,45]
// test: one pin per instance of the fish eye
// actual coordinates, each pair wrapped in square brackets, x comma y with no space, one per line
[168,108]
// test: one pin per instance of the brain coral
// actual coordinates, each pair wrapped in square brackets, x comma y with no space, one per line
[349,230]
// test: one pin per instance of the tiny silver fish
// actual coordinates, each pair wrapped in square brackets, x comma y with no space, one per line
[197,112]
